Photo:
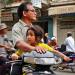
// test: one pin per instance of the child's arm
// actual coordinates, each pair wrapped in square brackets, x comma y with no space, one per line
[55,51]
[16,55]
[61,55]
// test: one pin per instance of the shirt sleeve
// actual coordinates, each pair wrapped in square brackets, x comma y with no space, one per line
[49,48]
[46,47]
[19,52]
[16,35]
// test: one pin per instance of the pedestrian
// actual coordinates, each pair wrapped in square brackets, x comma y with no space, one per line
[27,15]
[4,47]
[69,42]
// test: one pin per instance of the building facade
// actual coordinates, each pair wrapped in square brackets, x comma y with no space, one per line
[63,14]
[56,17]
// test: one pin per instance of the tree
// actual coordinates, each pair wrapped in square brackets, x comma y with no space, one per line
[6,1]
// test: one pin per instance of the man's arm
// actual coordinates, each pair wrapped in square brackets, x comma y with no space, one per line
[26,47]
[2,45]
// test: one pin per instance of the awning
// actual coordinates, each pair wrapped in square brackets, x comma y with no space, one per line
[61,10]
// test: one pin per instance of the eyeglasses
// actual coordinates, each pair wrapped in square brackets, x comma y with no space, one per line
[32,10]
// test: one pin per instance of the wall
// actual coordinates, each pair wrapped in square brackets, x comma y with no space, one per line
[50,27]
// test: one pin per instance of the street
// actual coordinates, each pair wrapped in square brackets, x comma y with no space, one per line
[64,72]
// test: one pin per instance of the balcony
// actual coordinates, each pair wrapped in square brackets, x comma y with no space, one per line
[57,1]
[62,2]
[62,7]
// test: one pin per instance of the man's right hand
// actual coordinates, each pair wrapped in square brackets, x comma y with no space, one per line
[40,49]
[7,47]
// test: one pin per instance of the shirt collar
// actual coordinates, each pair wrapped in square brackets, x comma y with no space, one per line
[23,23]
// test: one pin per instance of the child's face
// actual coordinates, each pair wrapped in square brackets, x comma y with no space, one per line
[31,37]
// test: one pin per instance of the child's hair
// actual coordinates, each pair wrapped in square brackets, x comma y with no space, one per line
[38,31]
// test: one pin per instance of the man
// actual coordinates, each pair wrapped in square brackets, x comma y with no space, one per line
[69,42]
[27,15]
[4,47]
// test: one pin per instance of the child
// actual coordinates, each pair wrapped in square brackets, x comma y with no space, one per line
[34,35]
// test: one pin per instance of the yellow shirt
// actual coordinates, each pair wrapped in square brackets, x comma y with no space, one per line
[20,52]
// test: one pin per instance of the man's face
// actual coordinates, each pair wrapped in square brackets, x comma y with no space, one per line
[31,13]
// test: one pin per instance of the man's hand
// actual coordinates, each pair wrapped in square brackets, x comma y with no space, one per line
[7,47]
[40,49]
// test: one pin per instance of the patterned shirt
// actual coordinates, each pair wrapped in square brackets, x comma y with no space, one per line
[19,31]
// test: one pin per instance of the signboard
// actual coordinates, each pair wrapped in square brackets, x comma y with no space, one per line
[36,3]
[61,10]
[13,10]
[6,16]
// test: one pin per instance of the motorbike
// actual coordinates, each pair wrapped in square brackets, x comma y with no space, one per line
[38,64]
[35,63]
[66,65]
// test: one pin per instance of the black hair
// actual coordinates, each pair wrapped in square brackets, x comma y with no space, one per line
[69,34]
[21,8]
[38,31]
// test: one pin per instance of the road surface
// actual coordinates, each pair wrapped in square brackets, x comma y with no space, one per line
[64,72]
